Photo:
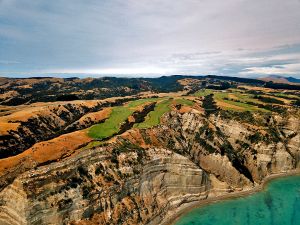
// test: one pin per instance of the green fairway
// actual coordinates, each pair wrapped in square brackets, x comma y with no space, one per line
[153,118]
[233,97]
[141,102]
[119,114]
[242,100]
[184,101]
[244,106]
[112,125]
[203,92]
[285,96]
[220,95]
[246,97]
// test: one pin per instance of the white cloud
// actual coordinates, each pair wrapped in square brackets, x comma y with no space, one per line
[288,70]
[161,36]
[111,71]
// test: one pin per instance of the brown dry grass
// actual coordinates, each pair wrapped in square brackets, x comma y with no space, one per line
[134,136]
[12,115]
[232,96]
[52,150]
[12,121]
[97,116]
[188,81]
[185,109]
[286,101]
[278,80]
[9,94]
[257,88]
[227,105]
[162,95]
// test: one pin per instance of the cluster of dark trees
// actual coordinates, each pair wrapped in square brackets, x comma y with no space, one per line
[297,103]
[268,99]
[222,86]
[209,104]
[282,86]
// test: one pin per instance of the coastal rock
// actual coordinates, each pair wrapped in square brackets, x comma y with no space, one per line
[144,176]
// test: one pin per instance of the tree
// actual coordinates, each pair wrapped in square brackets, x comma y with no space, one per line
[209,104]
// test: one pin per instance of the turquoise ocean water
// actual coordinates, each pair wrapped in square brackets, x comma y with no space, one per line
[277,204]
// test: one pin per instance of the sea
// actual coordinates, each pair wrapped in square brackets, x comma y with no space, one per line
[277,204]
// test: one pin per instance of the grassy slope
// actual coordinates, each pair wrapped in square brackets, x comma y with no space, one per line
[184,101]
[139,102]
[118,115]
[286,95]
[153,118]
[203,93]
[242,97]
[112,125]
[219,96]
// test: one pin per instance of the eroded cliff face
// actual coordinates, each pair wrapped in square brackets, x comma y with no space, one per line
[144,175]
[94,186]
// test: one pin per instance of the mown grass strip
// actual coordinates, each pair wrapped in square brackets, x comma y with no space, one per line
[203,93]
[153,118]
[184,101]
[139,102]
[118,115]
[285,96]
[244,106]
[246,97]
[243,101]
[112,125]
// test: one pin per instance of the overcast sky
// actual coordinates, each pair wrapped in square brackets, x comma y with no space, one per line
[150,37]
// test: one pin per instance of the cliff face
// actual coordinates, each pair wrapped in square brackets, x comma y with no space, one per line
[144,175]
[91,184]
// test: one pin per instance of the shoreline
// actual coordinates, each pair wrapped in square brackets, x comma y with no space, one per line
[202,203]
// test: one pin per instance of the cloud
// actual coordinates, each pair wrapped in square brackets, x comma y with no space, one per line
[8,62]
[290,69]
[159,36]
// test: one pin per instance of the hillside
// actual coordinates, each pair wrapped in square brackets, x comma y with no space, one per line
[281,79]
[15,91]
[140,158]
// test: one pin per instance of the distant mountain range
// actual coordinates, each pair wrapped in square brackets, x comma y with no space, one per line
[281,79]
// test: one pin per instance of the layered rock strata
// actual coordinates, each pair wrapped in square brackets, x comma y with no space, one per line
[145,175]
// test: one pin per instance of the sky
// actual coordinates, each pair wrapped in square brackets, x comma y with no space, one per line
[246,38]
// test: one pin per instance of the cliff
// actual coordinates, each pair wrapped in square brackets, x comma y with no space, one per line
[142,176]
